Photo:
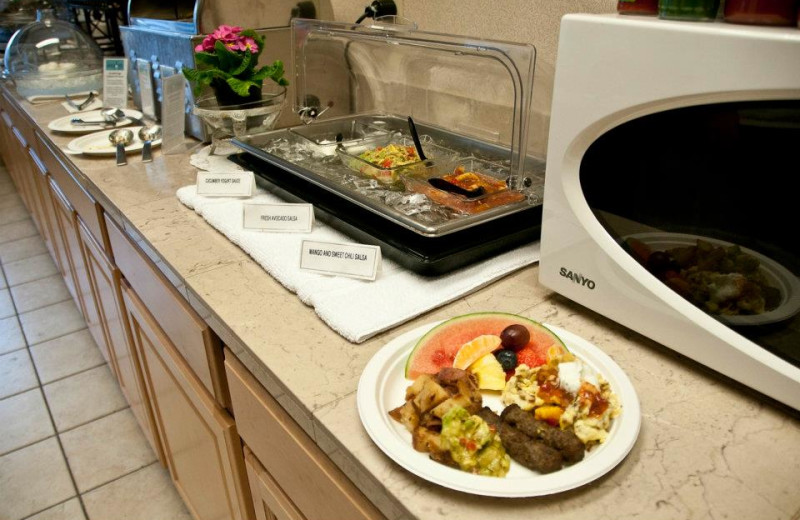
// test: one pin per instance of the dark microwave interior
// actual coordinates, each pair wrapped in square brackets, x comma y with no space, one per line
[705,198]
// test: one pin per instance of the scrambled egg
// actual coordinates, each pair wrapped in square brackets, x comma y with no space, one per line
[582,398]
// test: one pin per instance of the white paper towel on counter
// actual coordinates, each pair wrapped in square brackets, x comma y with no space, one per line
[356,309]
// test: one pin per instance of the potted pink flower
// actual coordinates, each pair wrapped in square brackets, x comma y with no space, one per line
[229,65]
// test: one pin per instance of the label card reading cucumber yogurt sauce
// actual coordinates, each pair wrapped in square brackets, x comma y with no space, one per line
[225,184]
[298,218]
[351,260]
[115,82]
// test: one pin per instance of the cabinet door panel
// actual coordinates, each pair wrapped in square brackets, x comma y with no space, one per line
[21,169]
[200,441]
[270,501]
[107,282]
[89,293]
[67,249]
[41,184]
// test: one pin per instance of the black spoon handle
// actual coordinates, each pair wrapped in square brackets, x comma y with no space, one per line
[445,185]
[415,137]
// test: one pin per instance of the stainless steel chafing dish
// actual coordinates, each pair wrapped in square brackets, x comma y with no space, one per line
[164,35]
[356,88]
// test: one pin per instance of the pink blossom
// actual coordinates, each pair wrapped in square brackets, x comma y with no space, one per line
[248,44]
[227,33]
[207,45]
[230,37]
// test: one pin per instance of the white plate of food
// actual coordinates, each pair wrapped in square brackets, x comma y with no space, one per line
[65,125]
[99,145]
[785,305]
[382,388]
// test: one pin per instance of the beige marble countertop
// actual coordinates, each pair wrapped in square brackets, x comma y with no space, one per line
[707,448]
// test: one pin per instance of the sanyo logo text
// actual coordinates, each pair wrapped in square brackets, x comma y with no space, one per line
[577,278]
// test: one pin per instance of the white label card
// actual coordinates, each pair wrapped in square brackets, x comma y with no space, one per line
[225,184]
[115,82]
[351,260]
[173,117]
[143,71]
[278,217]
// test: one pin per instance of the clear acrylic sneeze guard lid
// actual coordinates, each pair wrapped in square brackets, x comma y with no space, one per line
[476,89]
[356,88]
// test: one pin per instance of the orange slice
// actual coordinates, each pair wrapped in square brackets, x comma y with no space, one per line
[474,350]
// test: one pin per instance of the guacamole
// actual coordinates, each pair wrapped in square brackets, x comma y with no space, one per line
[473,445]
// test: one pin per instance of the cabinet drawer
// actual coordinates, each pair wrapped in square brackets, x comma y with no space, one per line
[308,477]
[196,342]
[90,211]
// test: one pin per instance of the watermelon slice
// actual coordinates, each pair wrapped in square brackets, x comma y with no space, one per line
[437,349]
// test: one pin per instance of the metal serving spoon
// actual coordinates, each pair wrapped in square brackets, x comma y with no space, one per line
[148,134]
[121,138]
[111,116]
[82,105]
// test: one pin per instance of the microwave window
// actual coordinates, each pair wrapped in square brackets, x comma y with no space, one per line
[705,199]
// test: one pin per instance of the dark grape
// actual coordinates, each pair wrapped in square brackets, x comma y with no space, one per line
[507,359]
[515,337]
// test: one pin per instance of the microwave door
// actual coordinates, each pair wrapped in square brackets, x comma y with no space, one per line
[701,197]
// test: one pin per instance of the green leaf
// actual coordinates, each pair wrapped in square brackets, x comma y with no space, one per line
[273,72]
[241,87]
[228,60]
[190,74]
[206,58]
[247,61]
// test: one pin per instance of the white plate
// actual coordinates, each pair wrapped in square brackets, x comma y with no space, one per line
[98,143]
[382,388]
[777,276]
[64,124]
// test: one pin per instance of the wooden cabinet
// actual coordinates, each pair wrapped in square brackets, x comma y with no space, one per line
[168,361]
[292,466]
[200,441]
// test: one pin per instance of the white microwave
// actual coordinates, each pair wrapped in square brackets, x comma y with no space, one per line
[670,201]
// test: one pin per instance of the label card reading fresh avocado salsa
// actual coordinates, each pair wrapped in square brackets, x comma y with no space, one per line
[285,217]
[225,184]
[351,260]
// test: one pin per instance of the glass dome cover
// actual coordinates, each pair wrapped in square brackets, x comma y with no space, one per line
[53,57]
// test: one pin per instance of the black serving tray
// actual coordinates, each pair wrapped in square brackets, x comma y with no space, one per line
[425,255]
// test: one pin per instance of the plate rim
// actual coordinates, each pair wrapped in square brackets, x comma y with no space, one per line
[625,432]
[776,270]
[73,145]
[89,129]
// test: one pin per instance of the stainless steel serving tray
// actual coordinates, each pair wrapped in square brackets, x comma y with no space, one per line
[327,172]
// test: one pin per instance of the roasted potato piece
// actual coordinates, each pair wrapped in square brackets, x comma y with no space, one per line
[416,387]
[426,440]
[430,395]
[407,415]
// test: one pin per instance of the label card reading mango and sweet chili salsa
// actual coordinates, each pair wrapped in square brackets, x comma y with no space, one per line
[351,260]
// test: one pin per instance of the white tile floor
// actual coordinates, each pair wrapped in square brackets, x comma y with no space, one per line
[70,448]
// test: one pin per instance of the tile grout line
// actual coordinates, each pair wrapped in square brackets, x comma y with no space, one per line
[49,507]
[75,427]
[46,403]
[120,477]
